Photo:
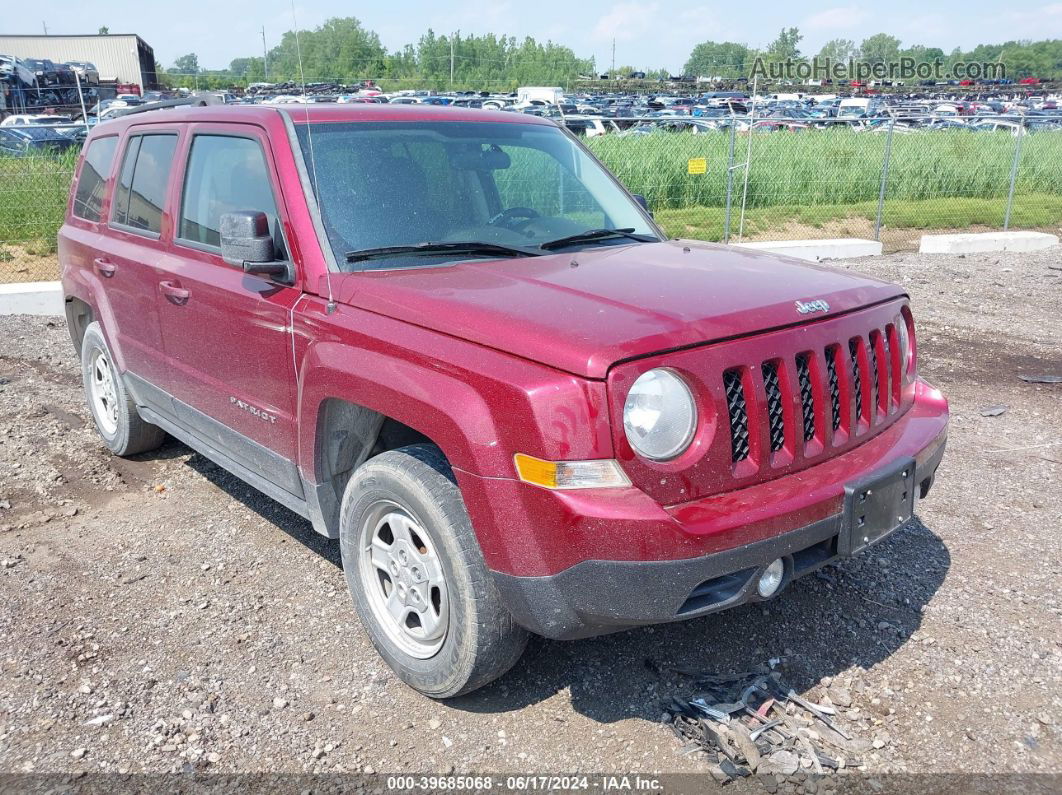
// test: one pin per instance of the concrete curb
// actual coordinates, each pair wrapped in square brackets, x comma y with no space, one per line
[980,242]
[32,298]
[816,250]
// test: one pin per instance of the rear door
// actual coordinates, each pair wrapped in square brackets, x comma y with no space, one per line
[126,253]
[227,333]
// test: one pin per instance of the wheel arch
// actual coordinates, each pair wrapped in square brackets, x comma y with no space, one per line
[347,417]
[79,314]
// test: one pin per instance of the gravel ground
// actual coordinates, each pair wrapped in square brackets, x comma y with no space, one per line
[158,615]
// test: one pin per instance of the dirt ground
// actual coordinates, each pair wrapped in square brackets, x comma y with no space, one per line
[158,615]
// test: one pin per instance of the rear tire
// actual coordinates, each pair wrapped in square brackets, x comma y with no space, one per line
[417,576]
[113,410]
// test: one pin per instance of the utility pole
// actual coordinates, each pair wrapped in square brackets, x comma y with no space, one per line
[612,73]
[265,55]
[452,35]
[45,26]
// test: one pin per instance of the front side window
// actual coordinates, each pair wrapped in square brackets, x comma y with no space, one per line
[225,174]
[521,186]
[141,191]
[88,199]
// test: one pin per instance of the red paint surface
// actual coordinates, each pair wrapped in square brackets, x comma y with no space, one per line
[492,358]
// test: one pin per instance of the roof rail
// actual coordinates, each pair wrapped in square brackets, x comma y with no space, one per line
[168,103]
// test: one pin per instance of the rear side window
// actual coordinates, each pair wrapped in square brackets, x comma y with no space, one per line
[141,191]
[225,174]
[88,200]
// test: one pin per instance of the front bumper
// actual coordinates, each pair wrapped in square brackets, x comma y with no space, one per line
[576,564]
[599,596]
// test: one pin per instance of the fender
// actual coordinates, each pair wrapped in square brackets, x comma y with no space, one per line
[406,391]
[81,282]
[477,404]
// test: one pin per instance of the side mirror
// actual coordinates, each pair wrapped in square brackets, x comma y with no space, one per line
[247,244]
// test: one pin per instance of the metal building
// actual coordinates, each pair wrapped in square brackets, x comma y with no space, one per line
[125,58]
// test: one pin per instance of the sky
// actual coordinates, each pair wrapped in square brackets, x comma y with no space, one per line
[648,34]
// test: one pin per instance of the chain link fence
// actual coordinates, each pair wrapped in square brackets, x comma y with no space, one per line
[727,179]
[33,194]
[734,178]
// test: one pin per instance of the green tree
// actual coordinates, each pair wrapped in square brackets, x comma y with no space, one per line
[920,53]
[340,49]
[880,48]
[725,59]
[838,50]
[186,64]
[786,46]
[104,31]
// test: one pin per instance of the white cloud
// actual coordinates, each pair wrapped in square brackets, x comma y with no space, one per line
[1050,10]
[838,18]
[929,29]
[489,17]
[625,21]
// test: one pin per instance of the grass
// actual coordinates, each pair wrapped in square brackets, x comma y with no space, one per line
[33,194]
[835,166]
[815,179]
[1030,211]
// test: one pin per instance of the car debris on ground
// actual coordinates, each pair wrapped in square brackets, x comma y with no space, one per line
[754,723]
[993,411]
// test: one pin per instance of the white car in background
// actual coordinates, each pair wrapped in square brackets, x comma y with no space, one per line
[590,126]
[35,119]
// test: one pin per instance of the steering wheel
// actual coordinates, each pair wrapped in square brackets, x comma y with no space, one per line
[520,215]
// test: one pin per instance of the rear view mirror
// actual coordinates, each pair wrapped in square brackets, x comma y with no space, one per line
[247,243]
[477,159]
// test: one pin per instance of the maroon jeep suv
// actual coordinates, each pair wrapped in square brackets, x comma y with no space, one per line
[452,340]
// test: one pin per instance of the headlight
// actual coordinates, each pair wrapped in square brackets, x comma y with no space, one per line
[659,415]
[903,335]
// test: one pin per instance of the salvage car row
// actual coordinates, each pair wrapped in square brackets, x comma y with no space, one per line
[586,115]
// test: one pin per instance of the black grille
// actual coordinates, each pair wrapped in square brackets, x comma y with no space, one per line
[857,380]
[739,415]
[775,415]
[807,399]
[889,374]
[874,397]
[834,386]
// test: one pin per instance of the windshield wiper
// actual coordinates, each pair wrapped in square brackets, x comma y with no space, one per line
[597,234]
[464,247]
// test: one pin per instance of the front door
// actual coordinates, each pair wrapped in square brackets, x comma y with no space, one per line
[226,333]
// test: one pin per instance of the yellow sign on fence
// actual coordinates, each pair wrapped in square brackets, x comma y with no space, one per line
[698,165]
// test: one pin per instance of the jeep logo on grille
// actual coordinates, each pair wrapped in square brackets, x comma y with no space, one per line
[807,307]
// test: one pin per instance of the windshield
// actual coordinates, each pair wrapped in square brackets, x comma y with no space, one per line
[389,184]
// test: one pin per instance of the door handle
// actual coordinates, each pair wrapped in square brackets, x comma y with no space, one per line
[174,293]
[103,267]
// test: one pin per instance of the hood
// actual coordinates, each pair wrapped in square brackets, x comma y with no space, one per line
[581,312]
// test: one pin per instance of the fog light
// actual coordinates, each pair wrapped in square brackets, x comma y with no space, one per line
[771,579]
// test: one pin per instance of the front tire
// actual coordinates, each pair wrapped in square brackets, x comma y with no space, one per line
[113,410]
[417,576]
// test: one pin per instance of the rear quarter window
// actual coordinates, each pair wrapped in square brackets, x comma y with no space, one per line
[88,198]
[141,191]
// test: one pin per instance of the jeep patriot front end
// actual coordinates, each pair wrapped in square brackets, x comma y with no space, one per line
[453,341]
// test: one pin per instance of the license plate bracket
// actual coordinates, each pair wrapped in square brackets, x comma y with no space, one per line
[876,506]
